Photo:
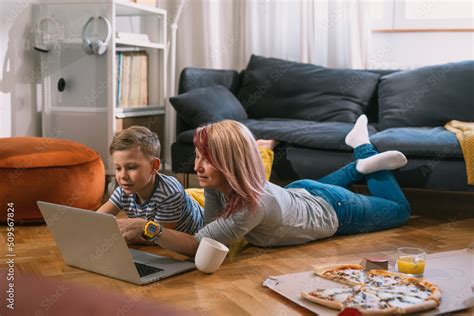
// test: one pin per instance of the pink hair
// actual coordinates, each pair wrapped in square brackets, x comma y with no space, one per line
[230,147]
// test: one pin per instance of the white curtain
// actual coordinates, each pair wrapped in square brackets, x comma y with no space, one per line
[222,34]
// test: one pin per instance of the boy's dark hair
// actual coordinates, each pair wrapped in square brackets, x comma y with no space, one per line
[140,136]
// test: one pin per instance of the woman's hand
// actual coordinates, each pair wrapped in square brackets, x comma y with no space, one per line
[132,229]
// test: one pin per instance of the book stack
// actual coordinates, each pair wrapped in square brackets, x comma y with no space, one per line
[132,79]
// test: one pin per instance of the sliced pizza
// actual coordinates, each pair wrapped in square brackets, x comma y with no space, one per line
[409,296]
[356,297]
[427,287]
[374,291]
[382,278]
[399,283]
[332,298]
[352,274]
[368,302]
[410,304]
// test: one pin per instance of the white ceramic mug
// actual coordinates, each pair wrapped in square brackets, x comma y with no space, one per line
[210,255]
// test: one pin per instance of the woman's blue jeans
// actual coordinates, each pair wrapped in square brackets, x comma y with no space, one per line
[357,213]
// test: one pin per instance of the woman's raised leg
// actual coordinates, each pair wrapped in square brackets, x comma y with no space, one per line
[386,208]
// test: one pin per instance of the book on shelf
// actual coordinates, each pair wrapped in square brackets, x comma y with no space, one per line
[144,80]
[132,79]
[118,74]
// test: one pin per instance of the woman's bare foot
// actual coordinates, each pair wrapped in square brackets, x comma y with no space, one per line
[267,143]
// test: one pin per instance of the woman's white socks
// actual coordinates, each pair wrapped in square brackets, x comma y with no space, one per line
[359,135]
[388,160]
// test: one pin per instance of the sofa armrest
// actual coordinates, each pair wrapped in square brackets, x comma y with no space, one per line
[193,78]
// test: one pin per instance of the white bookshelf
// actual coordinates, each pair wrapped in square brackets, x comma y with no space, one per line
[87,110]
[141,111]
[155,47]
[127,8]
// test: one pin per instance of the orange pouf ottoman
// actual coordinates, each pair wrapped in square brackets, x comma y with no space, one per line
[47,169]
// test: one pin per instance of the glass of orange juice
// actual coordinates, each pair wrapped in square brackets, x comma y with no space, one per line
[411,261]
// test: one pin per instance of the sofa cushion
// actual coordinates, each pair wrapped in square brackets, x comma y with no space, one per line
[207,105]
[273,87]
[193,78]
[428,96]
[412,141]
[320,135]
[436,143]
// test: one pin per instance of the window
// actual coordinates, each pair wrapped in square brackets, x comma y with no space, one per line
[422,14]
[433,14]
[436,9]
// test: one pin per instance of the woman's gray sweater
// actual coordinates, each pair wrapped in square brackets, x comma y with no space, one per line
[282,217]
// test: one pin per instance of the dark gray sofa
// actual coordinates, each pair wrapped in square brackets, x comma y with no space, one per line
[310,109]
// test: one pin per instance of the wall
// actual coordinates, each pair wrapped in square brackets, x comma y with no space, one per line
[18,115]
[414,49]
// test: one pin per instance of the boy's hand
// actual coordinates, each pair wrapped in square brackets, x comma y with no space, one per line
[132,229]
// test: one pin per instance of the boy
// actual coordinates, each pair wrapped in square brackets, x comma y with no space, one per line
[148,196]
[143,193]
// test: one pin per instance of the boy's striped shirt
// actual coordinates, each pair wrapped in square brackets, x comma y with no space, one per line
[168,203]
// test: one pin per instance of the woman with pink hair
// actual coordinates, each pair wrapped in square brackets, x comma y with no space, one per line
[241,203]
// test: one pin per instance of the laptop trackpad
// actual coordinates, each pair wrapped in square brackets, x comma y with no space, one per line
[152,259]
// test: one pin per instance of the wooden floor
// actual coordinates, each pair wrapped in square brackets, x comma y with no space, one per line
[442,222]
[236,289]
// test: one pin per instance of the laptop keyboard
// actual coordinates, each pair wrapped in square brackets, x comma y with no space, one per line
[144,270]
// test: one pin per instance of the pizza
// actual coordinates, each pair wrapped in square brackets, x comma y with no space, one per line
[374,291]
[351,274]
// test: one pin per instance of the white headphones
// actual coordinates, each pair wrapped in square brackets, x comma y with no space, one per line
[45,40]
[97,47]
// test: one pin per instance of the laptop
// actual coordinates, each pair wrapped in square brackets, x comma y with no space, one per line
[92,241]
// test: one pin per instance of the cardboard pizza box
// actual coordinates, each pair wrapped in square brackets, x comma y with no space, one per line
[452,272]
